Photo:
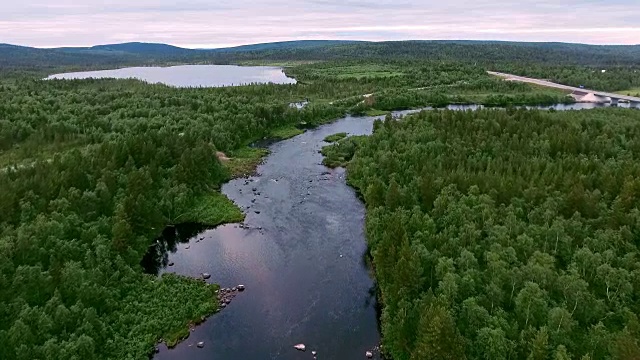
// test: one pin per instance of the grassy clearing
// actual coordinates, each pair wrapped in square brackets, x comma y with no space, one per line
[370,75]
[176,336]
[291,63]
[176,331]
[214,209]
[285,132]
[375,112]
[369,71]
[549,90]
[181,332]
[335,137]
[243,162]
[630,92]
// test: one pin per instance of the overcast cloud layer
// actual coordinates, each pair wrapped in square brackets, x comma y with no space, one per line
[216,23]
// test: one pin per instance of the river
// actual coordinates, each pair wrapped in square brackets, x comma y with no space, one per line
[305,272]
[302,259]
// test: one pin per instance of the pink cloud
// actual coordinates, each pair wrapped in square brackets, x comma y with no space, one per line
[199,23]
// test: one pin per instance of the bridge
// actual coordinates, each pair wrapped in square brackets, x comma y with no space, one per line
[580,94]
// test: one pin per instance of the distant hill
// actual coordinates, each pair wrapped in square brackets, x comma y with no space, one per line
[22,57]
[142,48]
[139,48]
[282,45]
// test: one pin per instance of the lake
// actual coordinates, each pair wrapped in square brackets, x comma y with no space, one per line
[191,75]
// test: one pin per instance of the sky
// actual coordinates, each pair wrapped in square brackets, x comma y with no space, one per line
[220,23]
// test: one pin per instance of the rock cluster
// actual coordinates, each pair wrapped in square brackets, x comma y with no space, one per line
[226,295]
[303,347]
[247,227]
[376,349]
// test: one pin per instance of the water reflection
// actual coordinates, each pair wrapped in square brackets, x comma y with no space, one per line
[157,257]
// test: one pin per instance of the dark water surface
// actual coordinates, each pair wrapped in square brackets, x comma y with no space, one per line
[191,75]
[302,260]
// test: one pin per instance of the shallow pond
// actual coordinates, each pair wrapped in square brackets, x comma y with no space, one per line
[191,75]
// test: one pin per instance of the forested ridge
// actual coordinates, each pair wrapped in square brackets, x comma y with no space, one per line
[504,234]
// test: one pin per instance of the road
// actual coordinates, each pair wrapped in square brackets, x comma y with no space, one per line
[550,84]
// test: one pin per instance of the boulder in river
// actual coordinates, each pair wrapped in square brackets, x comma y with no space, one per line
[200,344]
[368,354]
[171,263]
[206,276]
[240,287]
[314,353]
[300,347]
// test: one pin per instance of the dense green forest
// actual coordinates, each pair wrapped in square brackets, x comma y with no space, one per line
[504,234]
[91,171]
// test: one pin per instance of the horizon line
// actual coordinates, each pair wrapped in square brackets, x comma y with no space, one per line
[227,46]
